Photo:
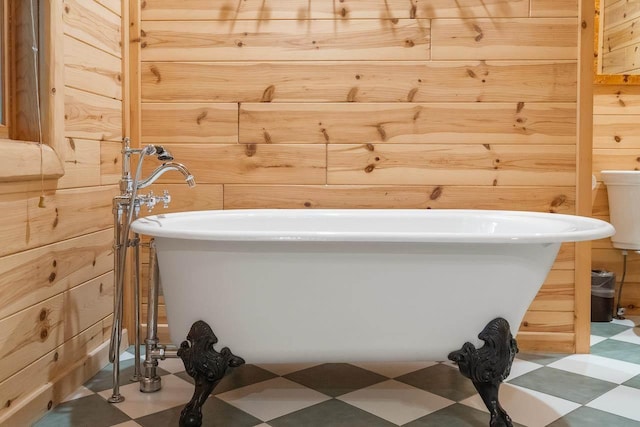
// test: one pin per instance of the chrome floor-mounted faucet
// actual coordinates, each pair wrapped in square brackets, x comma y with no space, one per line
[126,207]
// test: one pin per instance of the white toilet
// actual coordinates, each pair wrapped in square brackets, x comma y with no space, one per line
[624,207]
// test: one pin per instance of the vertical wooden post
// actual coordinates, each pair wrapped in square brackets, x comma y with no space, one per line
[583,174]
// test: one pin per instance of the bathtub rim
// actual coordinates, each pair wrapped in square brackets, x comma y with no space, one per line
[579,228]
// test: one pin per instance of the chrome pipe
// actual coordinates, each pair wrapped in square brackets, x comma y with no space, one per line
[137,374]
[150,381]
[165,167]
[116,329]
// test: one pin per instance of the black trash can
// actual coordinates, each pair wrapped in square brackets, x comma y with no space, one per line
[603,288]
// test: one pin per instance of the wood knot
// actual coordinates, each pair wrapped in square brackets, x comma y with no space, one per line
[201,117]
[250,149]
[557,202]
[49,405]
[382,132]
[413,12]
[56,356]
[370,168]
[436,193]
[471,73]
[343,12]
[52,277]
[353,93]
[412,94]
[370,147]
[154,70]
[519,107]
[54,263]
[267,95]
[267,137]
[307,204]
[616,138]
[325,134]
[44,333]
[6,405]
[43,315]
[409,43]
[480,35]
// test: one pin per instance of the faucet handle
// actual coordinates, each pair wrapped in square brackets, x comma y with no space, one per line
[150,201]
[166,198]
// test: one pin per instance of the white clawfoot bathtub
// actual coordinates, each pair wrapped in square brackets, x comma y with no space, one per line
[354,285]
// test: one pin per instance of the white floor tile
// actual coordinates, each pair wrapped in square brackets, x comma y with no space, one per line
[396,402]
[602,368]
[273,398]
[627,321]
[528,407]
[126,356]
[595,339]
[622,401]
[630,335]
[393,369]
[128,424]
[175,391]
[286,368]
[81,391]
[171,365]
[521,367]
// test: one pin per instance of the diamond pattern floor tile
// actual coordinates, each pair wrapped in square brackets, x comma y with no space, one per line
[621,401]
[563,384]
[589,417]
[335,379]
[543,389]
[455,415]
[590,365]
[88,411]
[332,413]
[393,369]
[443,380]
[605,329]
[527,407]
[174,392]
[273,398]
[215,412]
[396,402]
[618,350]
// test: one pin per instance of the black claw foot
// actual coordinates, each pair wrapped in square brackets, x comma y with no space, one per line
[489,365]
[206,366]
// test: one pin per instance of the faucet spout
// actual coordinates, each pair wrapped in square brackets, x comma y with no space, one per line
[165,167]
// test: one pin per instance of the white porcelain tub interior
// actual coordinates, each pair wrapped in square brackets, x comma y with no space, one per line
[328,285]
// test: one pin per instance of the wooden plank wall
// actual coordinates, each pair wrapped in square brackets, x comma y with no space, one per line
[372,104]
[620,49]
[56,262]
[616,144]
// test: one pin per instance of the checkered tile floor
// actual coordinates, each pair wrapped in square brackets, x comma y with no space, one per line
[599,389]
